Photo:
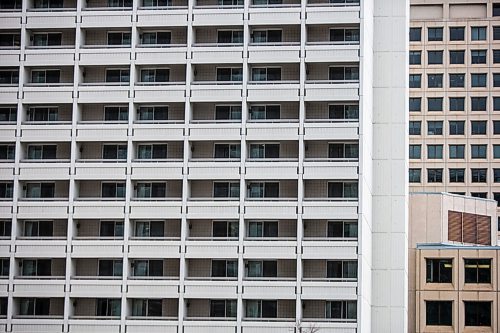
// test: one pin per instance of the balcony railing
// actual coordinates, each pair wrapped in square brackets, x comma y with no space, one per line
[161,45]
[55,160]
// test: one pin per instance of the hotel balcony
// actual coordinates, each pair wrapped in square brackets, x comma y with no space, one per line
[29,311]
[282,154]
[212,13]
[161,45]
[53,159]
[104,84]
[160,83]
[217,44]
[274,82]
[217,83]
[326,12]
[92,313]
[174,12]
[207,154]
[48,85]
[103,276]
[332,82]
[334,43]
[152,309]
[55,47]
[271,42]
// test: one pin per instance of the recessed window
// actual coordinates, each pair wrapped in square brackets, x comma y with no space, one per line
[415,57]
[415,175]
[229,150]
[117,75]
[457,57]
[111,229]
[496,56]
[147,267]
[342,270]
[477,270]
[34,306]
[343,111]
[496,9]
[457,175]
[36,267]
[261,309]
[146,307]
[341,310]
[478,33]
[439,270]
[348,73]
[5,228]
[155,75]
[149,229]
[457,151]
[223,308]
[434,151]
[224,268]
[415,80]
[477,313]
[478,80]
[109,307]
[263,190]
[496,175]
[435,104]
[496,80]
[42,152]
[435,128]
[263,229]
[230,36]
[415,104]
[496,151]
[262,268]
[438,313]
[457,33]
[264,150]
[110,267]
[228,112]
[156,3]
[478,56]
[435,34]
[4,266]
[229,74]
[47,39]
[115,113]
[457,127]
[478,103]
[457,103]
[113,190]
[343,150]
[152,113]
[434,175]
[35,190]
[415,151]
[478,127]
[415,127]
[343,190]
[434,57]
[226,190]
[114,152]
[267,36]
[156,38]
[48,3]
[415,34]
[478,151]
[435,80]
[266,74]
[119,38]
[8,114]
[152,151]
[10,77]
[482,195]
[457,80]
[344,35]
[342,229]
[11,4]
[478,175]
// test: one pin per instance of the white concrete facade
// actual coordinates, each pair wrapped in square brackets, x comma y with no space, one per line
[203,166]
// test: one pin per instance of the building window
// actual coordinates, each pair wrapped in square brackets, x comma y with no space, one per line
[155,75]
[415,175]
[496,80]
[415,104]
[478,175]
[11,4]
[496,9]
[38,190]
[230,36]
[108,307]
[478,80]
[415,127]
[147,229]
[348,73]
[457,33]
[34,306]
[227,151]
[113,190]
[482,195]
[229,112]
[5,228]
[478,56]
[415,80]
[435,34]
[225,229]
[117,75]
[266,74]
[224,268]
[342,270]
[345,310]
[10,40]
[496,151]
[415,34]
[438,313]
[477,313]
[116,113]
[496,127]
[9,77]
[261,309]
[150,190]
[496,56]
[156,38]
[229,74]
[43,114]
[478,127]
[152,113]
[457,127]
[496,33]
[42,152]
[434,57]
[439,270]
[477,270]
[119,38]
[223,308]
[457,175]
[478,151]
[435,104]
[152,152]
[147,267]
[157,3]
[457,103]
[415,151]
[434,151]
[8,114]
[343,150]
[114,152]
[263,190]
[496,175]
[457,80]
[435,80]
[435,128]
[38,229]
[48,3]
[36,267]
[262,268]
[343,111]
[457,57]
[478,103]
[344,35]
[146,307]
[434,175]
[342,229]
[415,57]
[264,150]
[109,267]
[478,33]
[343,190]
[4,266]
[7,152]
[226,190]
[111,229]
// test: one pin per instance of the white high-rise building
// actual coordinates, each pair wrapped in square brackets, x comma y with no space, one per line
[196,166]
